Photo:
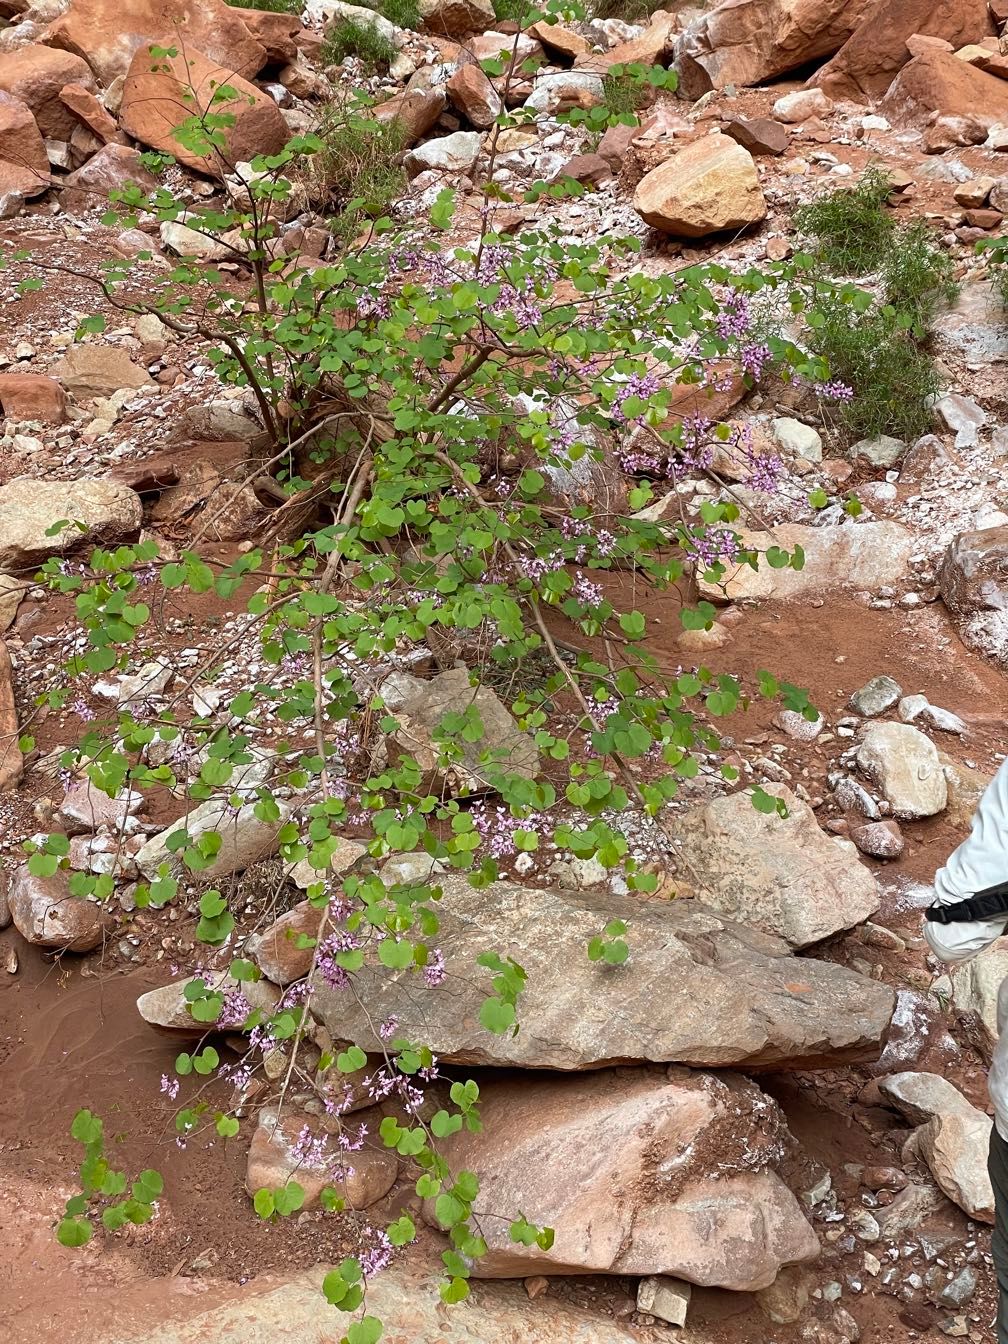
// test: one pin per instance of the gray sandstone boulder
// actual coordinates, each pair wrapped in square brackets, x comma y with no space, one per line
[905,766]
[245,839]
[29,508]
[976,986]
[697,989]
[456,153]
[973,579]
[420,707]
[780,874]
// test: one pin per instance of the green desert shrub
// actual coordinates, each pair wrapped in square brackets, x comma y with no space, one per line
[347,37]
[851,227]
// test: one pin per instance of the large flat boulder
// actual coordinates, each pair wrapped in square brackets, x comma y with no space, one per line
[682,1183]
[853,555]
[88,371]
[29,508]
[108,33]
[867,63]
[937,81]
[276,32]
[159,93]
[780,874]
[708,186]
[697,989]
[746,42]
[955,1147]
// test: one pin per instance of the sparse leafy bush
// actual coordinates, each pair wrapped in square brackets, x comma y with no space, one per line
[851,226]
[394,372]
[347,37]
[996,250]
[359,165]
[633,11]
[872,349]
[622,96]
[876,346]
[918,275]
[513,11]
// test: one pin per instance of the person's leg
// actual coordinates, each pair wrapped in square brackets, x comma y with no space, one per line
[998,1167]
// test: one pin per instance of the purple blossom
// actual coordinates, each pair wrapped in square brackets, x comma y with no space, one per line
[836,391]
[640,385]
[378,1256]
[82,709]
[434,972]
[340,940]
[754,359]
[169,1086]
[388,1028]
[765,472]
[238,1075]
[235,1009]
[496,827]
[311,1150]
[735,319]
[715,546]
[587,591]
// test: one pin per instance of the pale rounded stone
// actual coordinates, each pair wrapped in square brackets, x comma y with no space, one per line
[905,766]
[455,153]
[801,105]
[779,874]
[795,437]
